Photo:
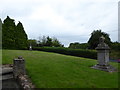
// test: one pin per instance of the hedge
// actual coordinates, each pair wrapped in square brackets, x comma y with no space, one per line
[68,51]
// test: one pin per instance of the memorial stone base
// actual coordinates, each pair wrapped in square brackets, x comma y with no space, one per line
[107,68]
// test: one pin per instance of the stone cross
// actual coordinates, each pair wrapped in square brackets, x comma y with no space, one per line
[19,66]
[103,56]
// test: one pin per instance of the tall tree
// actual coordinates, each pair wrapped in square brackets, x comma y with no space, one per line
[56,42]
[8,33]
[49,41]
[0,33]
[94,39]
[21,37]
[13,37]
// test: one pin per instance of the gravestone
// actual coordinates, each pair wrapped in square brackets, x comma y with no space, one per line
[19,67]
[103,56]
[30,47]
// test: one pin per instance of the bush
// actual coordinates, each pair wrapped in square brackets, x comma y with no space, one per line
[68,51]
[115,46]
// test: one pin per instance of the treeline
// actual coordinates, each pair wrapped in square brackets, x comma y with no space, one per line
[94,41]
[45,41]
[13,36]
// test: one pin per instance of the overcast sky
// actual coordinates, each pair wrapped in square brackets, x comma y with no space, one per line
[67,20]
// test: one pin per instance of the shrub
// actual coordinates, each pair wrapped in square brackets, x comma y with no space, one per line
[68,51]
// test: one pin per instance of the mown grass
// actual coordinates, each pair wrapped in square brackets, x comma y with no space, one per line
[51,70]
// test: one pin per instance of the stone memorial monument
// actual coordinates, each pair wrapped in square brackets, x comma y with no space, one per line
[103,56]
[19,67]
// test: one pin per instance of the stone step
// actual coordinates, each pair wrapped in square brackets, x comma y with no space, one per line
[6,70]
[10,84]
[7,73]
[5,77]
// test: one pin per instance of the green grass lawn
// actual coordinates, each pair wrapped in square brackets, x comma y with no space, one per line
[51,70]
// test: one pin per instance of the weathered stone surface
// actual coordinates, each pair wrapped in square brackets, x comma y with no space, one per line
[6,77]
[20,74]
[107,68]
[9,84]
[7,70]
[19,66]
[7,73]
[103,57]
[20,82]
[25,82]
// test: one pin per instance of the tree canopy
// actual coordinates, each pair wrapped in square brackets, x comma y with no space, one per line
[94,39]
[13,36]
[21,39]
[50,42]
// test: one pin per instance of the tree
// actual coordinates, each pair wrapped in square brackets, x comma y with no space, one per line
[49,41]
[8,33]
[56,42]
[94,39]
[21,37]
[32,42]
[13,37]
[0,33]
[74,45]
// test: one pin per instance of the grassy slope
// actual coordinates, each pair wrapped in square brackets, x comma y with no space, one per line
[51,70]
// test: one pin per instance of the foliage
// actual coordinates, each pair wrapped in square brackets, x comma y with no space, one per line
[115,51]
[114,54]
[50,42]
[94,39]
[51,70]
[8,33]
[21,38]
[77,45]
[56,42]
[68,51]
[13,36]
[32,42]
[115,46]
[0,34]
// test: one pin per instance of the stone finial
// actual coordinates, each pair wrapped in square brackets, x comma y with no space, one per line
[102,39]
[20,57]
[102,44]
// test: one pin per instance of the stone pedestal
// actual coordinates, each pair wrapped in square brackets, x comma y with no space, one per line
[103,57]
[19,67]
